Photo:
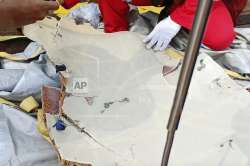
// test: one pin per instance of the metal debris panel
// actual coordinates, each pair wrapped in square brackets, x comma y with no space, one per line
[122,120]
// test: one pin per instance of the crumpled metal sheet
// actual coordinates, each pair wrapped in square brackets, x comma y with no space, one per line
[20,142]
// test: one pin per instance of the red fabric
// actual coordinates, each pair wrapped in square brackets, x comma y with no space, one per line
[114,14]
[70,3]
[142,2]
[219,32]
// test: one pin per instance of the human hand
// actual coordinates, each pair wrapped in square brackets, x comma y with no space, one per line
[16,13]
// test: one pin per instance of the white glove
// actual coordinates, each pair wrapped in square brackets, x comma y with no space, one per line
[162,34]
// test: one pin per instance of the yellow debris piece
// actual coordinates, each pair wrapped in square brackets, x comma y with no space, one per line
[20,57]
[174,53]
[6,102]
[29,104]
[41,126]
[5,38]
[236,75]
[63,12]
[144,9]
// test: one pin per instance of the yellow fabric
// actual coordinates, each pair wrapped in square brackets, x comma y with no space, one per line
[5,38]
[18,58]
[41,126]
[6,102]
[29,104]
[174,53]
[236,75]
[142,9]
[63,12]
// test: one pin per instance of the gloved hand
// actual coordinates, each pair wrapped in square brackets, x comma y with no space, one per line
[162,34]
[89,13]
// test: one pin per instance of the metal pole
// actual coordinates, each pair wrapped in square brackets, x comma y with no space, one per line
[185,77]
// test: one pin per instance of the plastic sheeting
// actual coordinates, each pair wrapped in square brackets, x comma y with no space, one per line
[89,13]
[237,60]
[22,79]
[237,57]
[9,78]
[20,142]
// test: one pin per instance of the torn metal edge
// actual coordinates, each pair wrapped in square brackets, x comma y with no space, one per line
[46,103]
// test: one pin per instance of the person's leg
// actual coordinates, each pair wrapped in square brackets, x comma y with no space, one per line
[114,13]
[219,32]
